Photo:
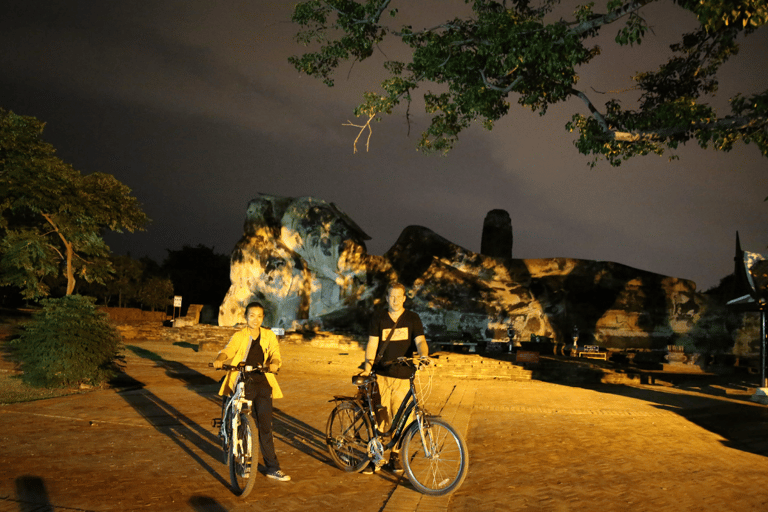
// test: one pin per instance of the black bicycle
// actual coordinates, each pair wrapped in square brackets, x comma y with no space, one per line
[238,433]
[434,454]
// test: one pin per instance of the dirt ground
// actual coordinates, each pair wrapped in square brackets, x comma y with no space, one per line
[149,444]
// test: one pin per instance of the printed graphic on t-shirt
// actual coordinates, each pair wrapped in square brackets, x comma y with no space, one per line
[400,334]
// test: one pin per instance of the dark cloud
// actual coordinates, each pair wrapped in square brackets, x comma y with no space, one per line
[193,105]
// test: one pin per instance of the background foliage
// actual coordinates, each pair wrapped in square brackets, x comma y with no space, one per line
[69,342]
[530,53]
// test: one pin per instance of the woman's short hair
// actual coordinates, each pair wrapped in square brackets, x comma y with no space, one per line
[253,305]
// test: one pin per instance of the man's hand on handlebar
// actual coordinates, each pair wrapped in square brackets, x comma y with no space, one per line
[415,360]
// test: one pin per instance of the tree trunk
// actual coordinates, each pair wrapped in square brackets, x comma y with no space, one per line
[70,254]
[70,273]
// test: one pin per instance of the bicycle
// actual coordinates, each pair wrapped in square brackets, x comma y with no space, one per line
[238,433]
[434,454]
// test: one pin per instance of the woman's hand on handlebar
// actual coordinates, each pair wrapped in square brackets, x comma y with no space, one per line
[218,363]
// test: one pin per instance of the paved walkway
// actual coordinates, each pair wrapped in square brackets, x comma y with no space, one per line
[533,445]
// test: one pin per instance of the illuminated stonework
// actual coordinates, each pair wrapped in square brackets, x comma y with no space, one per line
[306,261]
[302,257]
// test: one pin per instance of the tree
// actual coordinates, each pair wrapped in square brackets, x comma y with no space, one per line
[156,288]
[155,292]
[51,216]
[123,282]
[513,50]
[198,274]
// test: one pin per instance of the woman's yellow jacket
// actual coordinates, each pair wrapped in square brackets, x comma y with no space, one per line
[236,352]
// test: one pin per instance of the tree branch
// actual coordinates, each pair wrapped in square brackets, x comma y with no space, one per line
[608,18]
[593,110]
[362,129]
[731,123]
[504,90]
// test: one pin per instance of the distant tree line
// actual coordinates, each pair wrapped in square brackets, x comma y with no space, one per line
[197,274]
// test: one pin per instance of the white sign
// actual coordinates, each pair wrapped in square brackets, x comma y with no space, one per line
[279,331]
[177,301]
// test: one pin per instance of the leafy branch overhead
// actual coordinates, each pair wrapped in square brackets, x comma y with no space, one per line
[516,51]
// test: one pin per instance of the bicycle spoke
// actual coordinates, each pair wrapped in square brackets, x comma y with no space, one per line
[348,434]
[441,467]
[242,456]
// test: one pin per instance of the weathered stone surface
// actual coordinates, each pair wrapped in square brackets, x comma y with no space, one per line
[191,318]
[307,262]
[497,235]
[302,258]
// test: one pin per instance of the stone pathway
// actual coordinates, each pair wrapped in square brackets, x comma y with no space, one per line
[533,445]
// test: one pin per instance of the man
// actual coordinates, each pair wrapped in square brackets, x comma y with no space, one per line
[394,332]
[256,346]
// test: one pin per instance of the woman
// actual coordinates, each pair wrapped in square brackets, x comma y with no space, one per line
[256,346]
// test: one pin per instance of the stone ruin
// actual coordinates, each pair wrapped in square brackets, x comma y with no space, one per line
[307,262]
[497,235]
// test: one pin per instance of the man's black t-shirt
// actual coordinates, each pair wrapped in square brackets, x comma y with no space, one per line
[401,344]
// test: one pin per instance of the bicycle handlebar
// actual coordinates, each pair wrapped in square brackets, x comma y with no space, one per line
[241,367]
[417,361]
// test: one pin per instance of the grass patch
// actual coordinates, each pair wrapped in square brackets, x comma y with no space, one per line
[14,390]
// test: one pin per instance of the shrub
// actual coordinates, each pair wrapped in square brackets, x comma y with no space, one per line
[69,342]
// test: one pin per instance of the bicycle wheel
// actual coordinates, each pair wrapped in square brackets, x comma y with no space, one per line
[441,469]
[243,459]
[347,433]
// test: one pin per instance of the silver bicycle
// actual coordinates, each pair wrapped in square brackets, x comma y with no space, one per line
[238,433]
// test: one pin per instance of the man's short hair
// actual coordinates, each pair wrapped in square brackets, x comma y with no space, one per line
[253,305]
[395,286]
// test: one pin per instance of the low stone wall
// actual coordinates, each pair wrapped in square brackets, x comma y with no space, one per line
[208,337]
[311,339]
[134,316]
[212,338]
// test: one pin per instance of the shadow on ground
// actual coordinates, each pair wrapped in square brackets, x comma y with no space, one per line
[718,403]
[171,422]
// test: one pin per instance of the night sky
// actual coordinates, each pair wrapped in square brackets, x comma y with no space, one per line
[193,105]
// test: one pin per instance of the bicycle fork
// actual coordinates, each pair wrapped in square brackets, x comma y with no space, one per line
[426,436]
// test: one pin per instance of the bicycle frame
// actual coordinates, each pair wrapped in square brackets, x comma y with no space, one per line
[234,405]
[435,463]
[398,424]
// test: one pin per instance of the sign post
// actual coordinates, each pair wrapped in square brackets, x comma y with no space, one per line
[176,304]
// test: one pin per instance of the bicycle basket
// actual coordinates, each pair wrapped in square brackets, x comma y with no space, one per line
[422,383]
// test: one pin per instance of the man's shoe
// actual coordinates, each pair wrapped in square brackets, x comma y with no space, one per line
[394,464]
[278,475]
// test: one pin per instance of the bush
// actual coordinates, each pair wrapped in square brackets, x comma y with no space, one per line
[69,342]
